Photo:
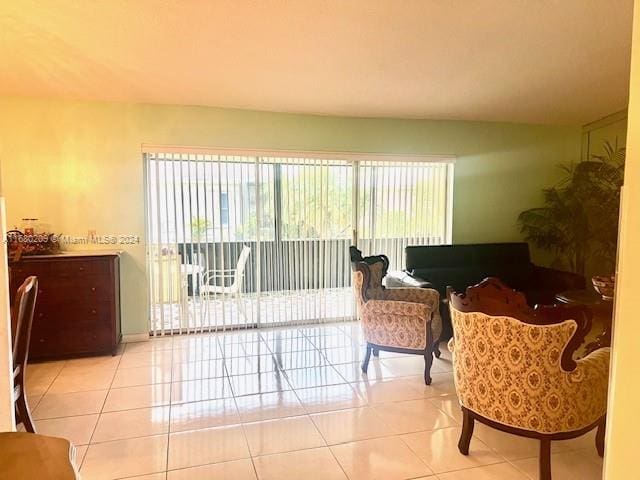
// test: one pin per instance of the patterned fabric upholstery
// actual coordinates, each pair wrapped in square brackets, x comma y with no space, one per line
[396,317]
[509,371]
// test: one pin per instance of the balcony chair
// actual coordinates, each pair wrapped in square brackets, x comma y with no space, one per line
[21,322]
[514,368]
[404,320]
[213,282]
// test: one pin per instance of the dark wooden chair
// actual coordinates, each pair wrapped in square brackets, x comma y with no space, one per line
[21,323]
[516,372]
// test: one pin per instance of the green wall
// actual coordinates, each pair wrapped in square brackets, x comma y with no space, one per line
[78,165]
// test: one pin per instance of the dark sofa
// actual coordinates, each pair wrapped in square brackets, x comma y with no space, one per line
[460,266]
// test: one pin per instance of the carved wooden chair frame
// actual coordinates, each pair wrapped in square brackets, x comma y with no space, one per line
[493,297]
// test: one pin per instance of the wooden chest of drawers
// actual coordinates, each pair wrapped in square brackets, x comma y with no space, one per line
[78,304]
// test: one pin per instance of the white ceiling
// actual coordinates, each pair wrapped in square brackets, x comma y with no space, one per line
[541,61]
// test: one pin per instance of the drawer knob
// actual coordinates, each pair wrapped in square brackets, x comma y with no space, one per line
[81,269]
[93,311]
[40,315]
[41,340]
[93,289]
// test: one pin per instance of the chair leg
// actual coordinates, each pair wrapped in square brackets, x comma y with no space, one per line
[467,431]
[376,352]
[22,410]
[544,462]
[600,436]
[436,350]
[428,360]
[367,356]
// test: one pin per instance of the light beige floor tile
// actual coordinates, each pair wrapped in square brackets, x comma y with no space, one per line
[251,365]
[340,355]
[135,376]
[314,377]
[412,416]
[499,471]
[40,376]
[196,353]
[512,447]
[448,404]
[441,384]
[153,344]
[142,396]
[352,372]
[564,466]
[253,408]
[210,445]
[125,458]
[282,435]
[77,430]
[81,451]
[350,425]
[82,382]
[439,450]
[330,397]
[382,458]
[395,390]
[200,390]
[151,476]
[407,365]
[36,388]
[259,383]
[198,370]
[198,415]
[314,464]
[69,404]
[304,359]
[124,424]
[234,470]
[146,359]
[88,365]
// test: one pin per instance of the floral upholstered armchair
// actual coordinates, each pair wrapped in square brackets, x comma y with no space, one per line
[405,320]
[515,371]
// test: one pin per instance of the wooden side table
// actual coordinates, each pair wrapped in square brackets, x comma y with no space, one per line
[602,310]
[29,456]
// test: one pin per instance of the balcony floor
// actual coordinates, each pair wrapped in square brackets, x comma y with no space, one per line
[251,310]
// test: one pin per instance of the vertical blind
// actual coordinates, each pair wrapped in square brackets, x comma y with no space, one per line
[294,218]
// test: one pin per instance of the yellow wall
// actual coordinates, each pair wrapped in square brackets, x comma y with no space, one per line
[623,419]
[78,165]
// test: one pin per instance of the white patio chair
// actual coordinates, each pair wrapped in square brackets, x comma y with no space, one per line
[213,281]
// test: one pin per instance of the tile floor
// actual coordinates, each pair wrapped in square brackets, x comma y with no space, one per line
[275,404]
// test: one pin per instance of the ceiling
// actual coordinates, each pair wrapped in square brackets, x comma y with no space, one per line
[539,61]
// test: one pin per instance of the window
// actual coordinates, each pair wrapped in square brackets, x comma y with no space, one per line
[298,215]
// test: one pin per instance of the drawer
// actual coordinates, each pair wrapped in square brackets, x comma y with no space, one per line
[65,290]
[46,316]
[80,266]
[84,338]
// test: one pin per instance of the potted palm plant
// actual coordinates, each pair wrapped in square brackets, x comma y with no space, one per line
[579,220]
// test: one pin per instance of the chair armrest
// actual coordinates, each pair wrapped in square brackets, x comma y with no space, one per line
[427,296]
[401,278]
[557,280]
[396,324]
[588,386]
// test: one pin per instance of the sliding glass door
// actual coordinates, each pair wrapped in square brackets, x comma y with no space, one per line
[245,241]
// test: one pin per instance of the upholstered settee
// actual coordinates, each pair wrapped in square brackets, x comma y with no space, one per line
[458,266]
